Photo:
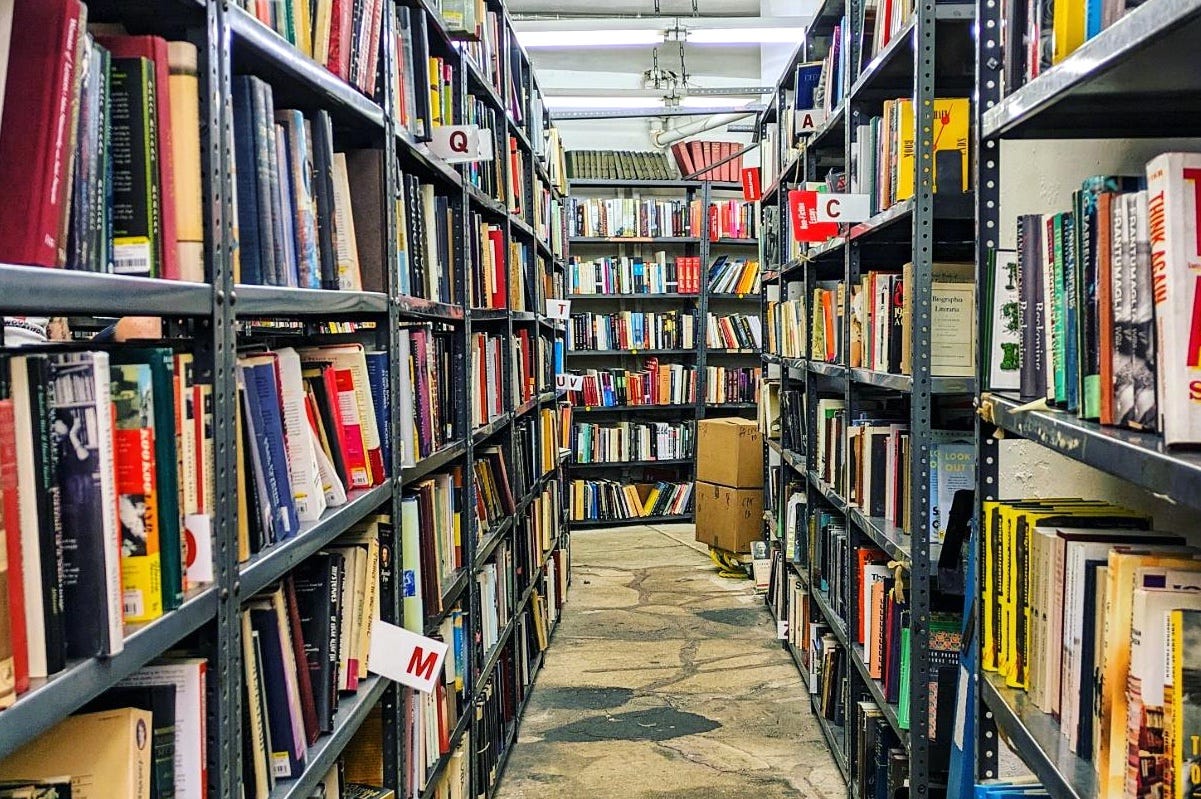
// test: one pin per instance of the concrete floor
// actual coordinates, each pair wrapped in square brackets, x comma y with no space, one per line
[663,681]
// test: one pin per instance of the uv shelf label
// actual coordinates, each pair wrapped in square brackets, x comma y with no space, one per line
[565,382]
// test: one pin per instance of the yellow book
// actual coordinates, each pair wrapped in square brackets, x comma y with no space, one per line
[1124,567]
[435,78]
[952,131]
[906,150]
[651,499]
[302,13]
[106,754]
[1183,725]
[1068,31]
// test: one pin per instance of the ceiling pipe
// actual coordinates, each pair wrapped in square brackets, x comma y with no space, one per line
[665,138]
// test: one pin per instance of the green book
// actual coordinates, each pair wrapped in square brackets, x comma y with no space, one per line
[903,696]
[1059,355]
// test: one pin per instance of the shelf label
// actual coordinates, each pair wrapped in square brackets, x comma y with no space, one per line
[802,213]
[843,208]
[558,309]
[809,119]
[566,382]
[405,657]
[782,630]
[461,144]
[752,189]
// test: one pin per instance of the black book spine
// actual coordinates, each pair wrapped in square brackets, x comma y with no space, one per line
[135,167]
[314,582]
[323,186]
[50,532]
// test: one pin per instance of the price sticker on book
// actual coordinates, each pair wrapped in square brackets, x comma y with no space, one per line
[809,119]
[566,382]
[405,657]
[558,309]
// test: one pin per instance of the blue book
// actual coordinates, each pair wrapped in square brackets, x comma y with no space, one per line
[287,752]
[807,78]
[381,396]
[266,420]
[1092,18]
[250,250]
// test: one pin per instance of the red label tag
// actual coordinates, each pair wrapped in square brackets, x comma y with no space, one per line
[802,207]
[752,189]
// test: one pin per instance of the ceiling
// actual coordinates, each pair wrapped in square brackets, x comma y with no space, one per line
[590,76]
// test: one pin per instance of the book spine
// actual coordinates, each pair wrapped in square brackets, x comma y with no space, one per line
[12,530]
[1173,182]
[50,532]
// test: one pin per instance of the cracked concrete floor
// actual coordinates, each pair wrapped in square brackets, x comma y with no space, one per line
[664,681]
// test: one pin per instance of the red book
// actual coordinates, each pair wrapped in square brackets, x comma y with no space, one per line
[697,150]
[35,152]
[155,49]
[714,222]
[341,29]
[12,536]
[500,277]
[339,385]
[683,158]
[367,79]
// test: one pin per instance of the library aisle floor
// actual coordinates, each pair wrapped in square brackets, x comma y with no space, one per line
[663,682]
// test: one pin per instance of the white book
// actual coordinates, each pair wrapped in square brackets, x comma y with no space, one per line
[1172,180]
[304,470]
[412,603]
[188,675]
[346,245]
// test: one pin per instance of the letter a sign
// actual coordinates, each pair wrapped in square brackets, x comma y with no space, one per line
[405,657]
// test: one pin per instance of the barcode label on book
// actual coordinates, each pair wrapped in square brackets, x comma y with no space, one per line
[281,767]
[131,256]
[133,604]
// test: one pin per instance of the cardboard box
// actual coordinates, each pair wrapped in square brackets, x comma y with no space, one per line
[728,518]
[729,452]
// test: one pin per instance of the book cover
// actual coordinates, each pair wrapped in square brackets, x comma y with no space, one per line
[137,491]
[159,700]
[287,737]
[1185,698]
[83,438]
[137,203]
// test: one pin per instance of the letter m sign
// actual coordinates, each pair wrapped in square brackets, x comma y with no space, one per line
[405,657]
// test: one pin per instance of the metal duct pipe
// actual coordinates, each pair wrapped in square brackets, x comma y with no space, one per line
[665,138]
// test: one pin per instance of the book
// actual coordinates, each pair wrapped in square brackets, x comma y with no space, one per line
[107,754]
[159,700]
[189,678]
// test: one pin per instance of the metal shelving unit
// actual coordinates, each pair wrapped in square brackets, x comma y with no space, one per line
[920,230]
[1144,67]
[230,41]
[699,245]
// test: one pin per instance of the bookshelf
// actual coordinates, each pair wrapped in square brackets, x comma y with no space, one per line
[220,319]
[1110,67]
[705,246]
[817,526]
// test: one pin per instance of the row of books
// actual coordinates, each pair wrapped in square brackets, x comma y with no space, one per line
[728,275]
[548,217]
[487,175]
[105,466]
[726,385]
[883,20]
[701,156]
[313,426]
[1096,304]
[609,500]
[490,272]
[632,275]
[528,359]
[1038,35]
[786,329]
[882,321]
[633,330]
[342,37]
[653,384]
[122,193]
[618,165]
[305,645]
[432,554]
[631,217]
[826,320]
[517,183]
[487,372]
[1082,601]
[423,82]
[737,331]
[882,155]
[427,419]
[620,442]
[733,219]
[498,595]
[882,762]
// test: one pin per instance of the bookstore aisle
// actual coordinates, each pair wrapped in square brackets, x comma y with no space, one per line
[665,678]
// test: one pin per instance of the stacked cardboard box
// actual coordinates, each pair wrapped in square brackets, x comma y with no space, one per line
[729,484]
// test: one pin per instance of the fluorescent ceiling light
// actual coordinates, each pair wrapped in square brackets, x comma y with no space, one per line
[613,102]
[706,101]
[744,35]
[597,38]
